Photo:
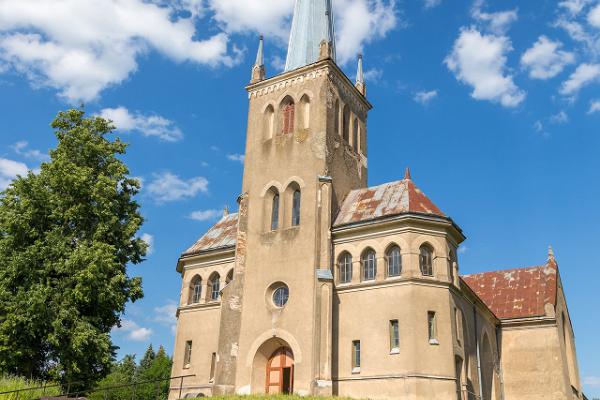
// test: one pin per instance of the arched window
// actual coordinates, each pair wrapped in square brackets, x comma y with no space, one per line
[369,265]
[355,135]
[268,122]
[288,112]
[451,265]
[336,118]
[426,261]
[305,112]
[275,212]
[346,124]
[345,268]
[229,277]
[214,287]
[393,258]
[296,208]
[195,290]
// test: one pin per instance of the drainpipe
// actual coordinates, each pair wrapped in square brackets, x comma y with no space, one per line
[478,354]
[500,372]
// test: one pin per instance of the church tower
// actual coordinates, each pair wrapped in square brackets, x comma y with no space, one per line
[305,151]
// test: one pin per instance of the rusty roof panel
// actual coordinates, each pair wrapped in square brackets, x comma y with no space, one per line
[389,199]
[222,234]
[516,293]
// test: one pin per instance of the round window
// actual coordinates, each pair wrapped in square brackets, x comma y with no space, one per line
[281,296]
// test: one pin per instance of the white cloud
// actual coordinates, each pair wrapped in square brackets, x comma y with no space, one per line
[594,107]
[538,126]
[134,331]
[236,157]
[425,97]
[205,215]
[594,16]
[574,7]
[166,315]
[545,60]
[591,380]
[22,148]
[147,125]
[583,76]
[431,3]
[9,170]
[373,75]
[149,240]
[497,22]
[167,187]
[560,118]
[479,61]
[80,49]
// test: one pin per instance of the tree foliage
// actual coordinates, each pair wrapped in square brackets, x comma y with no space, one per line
[67,234]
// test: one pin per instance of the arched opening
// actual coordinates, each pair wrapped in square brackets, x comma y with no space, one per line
[451,265]
[393,259]
[214,287]
[273,368]
[304,112]
[288,115]
[355,135]
[229,277]
[487,368]
[296,197]
[269,122]
[369,264]
[346,124]
[345,268]
[273,204]
[195,290]
[426,260]
[292,205]
[336,117]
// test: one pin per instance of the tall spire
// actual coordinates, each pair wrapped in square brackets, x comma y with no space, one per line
[313,34]
[360,78]
[258,70]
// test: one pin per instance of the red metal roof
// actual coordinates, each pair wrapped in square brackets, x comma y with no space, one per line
[389,199]
[516,293]
[222,234]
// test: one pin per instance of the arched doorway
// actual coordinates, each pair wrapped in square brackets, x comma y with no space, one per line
[280,372]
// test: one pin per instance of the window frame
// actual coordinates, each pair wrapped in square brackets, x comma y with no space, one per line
[296,207]
[196,288]
[288,116]
[215,287]
[388,258]
[394,336]
[432,327]
[356,356]
[345,267]
[369,264]
[187,355]
[275,208]
[426,260]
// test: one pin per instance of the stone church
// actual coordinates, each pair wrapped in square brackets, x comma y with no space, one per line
[323,285]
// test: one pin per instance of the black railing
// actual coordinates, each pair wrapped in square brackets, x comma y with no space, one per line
[139,391]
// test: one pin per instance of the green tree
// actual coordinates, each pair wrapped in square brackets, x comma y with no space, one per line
[147,360]
[67,235]
[121,373]
[160,368]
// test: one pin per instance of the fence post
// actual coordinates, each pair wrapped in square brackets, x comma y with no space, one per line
[18,392]
[180,387]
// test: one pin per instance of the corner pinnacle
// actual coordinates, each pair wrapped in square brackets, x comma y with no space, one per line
[407,176]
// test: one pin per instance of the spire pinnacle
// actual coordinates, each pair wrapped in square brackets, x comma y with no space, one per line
[360,77]
[407,176]
[551,255]
[313,35]
[258,70]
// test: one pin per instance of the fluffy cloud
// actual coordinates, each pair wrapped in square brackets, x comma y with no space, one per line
[80,49]
[167,187]
[149,239]
[545,59]
[574,7]
[236,157]
[425,97]
[166,315]
[594,16]
[497,22]
[134,331]
[147,125]
[560,118]
[205,215]
[9,170]
[22,148]
[431,3]
[584,75]
[594,107]
[479,60]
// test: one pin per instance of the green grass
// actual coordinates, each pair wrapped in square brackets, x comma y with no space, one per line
[9,383]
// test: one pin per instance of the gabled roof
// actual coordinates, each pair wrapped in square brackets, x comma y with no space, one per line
[223,234]
[517,293]
[394,198]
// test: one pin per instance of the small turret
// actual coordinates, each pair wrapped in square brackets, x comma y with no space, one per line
[258,70]
[360,77]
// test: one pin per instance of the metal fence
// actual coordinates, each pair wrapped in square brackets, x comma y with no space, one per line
[156,389]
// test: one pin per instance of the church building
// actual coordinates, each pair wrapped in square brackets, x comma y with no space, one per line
[322,285]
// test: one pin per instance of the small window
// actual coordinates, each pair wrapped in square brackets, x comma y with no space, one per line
[394,261]
[281,296]
[213,367]
[369,265]
[451,265]
[355,135]
[187,357]
[336,118]
[459,326]
[346,124]
[268,122]
[394,336]
[426,261]
[356,356]
[296,208]
[345,268]
[432,327]
[215,287]
[288,112]
[275,213]
[196,290]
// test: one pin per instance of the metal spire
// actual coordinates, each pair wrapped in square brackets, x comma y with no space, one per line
[312,25]
[360,77]
[260,57]
[258,70]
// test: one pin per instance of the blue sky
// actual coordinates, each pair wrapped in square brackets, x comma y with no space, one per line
[494,105]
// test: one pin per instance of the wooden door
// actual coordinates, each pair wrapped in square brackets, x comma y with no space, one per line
[280,372]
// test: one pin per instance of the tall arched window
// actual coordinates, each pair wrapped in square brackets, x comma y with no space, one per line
[214,287]
[393,258]
[355,135]
[268,122]
[345,268]
[296,208]
[336,118]
[275,212]
[346,124]
[369,265]
[451,264]
[195,290]
[305,112]
[426,261]
[288,114]
[229,277]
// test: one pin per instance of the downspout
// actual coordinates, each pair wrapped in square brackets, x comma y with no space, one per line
[501,372]
[478,354]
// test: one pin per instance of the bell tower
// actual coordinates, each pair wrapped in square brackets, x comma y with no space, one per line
[306,148]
